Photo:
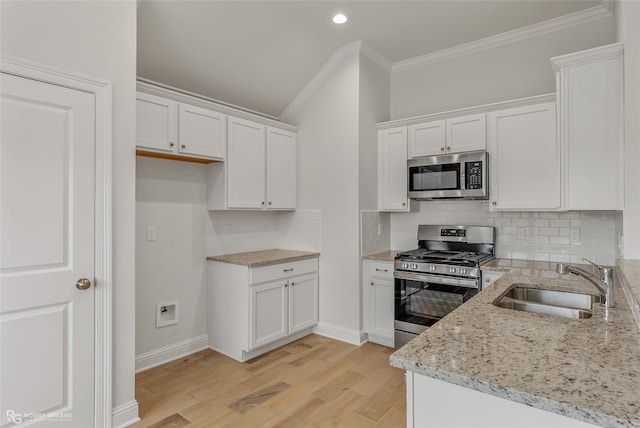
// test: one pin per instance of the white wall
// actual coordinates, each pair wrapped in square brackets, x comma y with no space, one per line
[96,38]
[547,235]
[628,31]
[373,108]
[328,177]
[170,196]
[507,72]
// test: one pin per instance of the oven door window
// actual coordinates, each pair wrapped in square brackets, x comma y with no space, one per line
[434,177]
[417,302]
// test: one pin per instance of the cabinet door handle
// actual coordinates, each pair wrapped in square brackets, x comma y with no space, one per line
[372,283]
[262,203]
[449,148]
[184,146]
[442,149]
[293,283]
[288,270]
[381,270]
[269,202]
[286,284]
[171,144]
[404,204]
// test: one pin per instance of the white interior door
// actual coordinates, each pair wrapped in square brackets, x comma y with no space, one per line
[47,179]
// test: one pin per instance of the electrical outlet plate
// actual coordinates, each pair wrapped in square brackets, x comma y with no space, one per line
[520,232]
[151,233]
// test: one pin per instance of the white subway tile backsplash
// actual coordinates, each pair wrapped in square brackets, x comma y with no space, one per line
[547,234]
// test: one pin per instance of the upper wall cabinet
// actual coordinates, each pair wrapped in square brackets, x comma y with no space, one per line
[524,158]
[590,100]
[453,135]
[166,128]
[392,169]
[260,171]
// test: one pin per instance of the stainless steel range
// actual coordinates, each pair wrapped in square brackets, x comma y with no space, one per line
[440,275]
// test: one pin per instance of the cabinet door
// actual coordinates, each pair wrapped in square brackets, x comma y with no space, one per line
[392,170]
[466,133]
[303,302]
[282,166]
[156,123]
[268,303]
[591,112]
[427,139]
[245,164]
[524,158]
[202,132]
[380,308]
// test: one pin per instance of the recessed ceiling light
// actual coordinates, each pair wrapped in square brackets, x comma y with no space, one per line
[339,19]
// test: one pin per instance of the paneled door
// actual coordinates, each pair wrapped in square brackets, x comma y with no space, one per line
[47,254]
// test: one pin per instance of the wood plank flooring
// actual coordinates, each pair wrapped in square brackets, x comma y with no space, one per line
[313,382]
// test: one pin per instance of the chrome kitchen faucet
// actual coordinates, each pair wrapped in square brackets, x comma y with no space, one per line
[604,284]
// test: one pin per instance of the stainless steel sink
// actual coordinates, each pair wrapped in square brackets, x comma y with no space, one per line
[521,297]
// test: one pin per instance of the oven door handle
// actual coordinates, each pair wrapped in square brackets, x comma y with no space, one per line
[436,279]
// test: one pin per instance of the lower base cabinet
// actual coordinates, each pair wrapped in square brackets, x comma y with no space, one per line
[377,291]
[436,403]
[254,310]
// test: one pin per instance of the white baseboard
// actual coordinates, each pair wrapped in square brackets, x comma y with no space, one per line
[172,352]
[353,337]
[125,415]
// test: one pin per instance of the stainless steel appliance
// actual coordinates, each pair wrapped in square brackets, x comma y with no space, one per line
[438,276]
[454,176]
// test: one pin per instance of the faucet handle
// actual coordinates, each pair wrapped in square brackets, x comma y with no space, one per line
[584,259]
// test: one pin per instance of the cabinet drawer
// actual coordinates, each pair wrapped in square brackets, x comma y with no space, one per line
[282,270]
[381,269]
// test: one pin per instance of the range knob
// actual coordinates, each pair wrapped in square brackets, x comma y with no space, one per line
[405,265]
[463,271]
[432,268]
[414,266]
[452,270]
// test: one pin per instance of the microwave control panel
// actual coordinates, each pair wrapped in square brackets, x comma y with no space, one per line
[474,175]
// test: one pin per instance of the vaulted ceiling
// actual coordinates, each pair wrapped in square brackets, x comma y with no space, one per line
[259,55]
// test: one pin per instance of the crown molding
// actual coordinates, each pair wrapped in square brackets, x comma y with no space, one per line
[604,10]
[358,47]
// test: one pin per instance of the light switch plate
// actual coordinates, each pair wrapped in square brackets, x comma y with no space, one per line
[151,233]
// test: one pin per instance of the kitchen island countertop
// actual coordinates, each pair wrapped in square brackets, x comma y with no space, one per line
[587,369]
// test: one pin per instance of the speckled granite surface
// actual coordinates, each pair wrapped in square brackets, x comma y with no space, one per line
[586,369]
[385,256]
[264,258]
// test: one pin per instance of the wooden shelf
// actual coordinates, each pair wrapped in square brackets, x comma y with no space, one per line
[172,156]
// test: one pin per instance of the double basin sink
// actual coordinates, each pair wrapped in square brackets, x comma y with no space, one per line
[522,297]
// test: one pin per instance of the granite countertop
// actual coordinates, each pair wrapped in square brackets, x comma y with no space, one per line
[586,369]
[264,258]
[385,256]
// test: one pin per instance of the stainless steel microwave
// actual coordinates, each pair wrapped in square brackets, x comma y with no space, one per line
[452,176]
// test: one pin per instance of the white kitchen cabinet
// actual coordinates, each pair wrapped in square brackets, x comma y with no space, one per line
[392,170]
[178,130]
[255,309]
[260,171]
[489,277]
[453,135]
[590,99]
[202,132]
[435,403]
[268,313]
[281,164]
[246,165]
[377,291]
[156,123]
[524,159]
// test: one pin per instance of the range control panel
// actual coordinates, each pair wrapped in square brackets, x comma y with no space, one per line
[460,233]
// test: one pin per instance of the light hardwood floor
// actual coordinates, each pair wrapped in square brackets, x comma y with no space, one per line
[313,382]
